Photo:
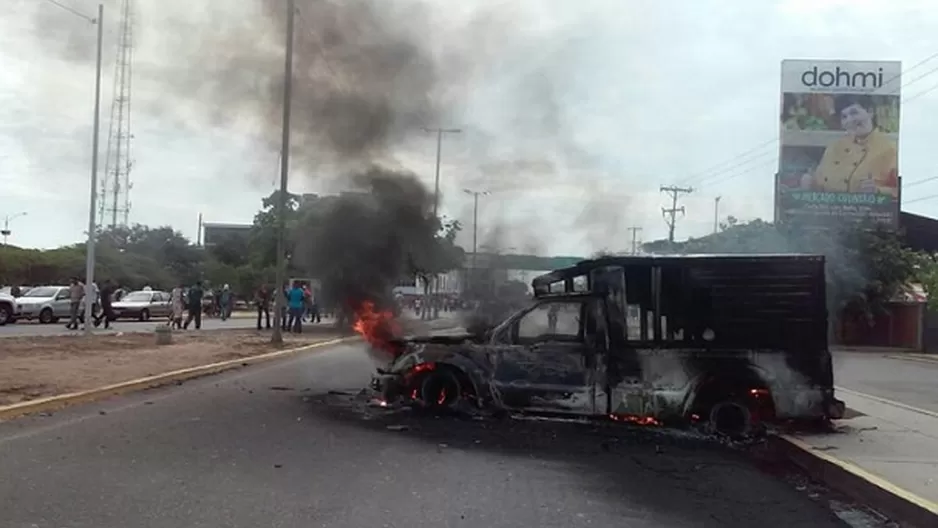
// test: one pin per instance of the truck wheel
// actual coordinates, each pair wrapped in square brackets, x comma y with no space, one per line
[6,314]
[731,418]
[441,390]
[145,315]
[46,316]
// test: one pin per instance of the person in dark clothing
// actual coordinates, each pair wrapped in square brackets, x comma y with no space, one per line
[284,308]
[195,306]
[262,300]
[107,311]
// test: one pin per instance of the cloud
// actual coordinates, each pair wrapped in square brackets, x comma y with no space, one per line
[574,112]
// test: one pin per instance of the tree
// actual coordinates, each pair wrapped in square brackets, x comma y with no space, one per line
[262,239]
[438,256]
[164,245]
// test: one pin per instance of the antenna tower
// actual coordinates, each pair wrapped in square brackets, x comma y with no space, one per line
[115,185]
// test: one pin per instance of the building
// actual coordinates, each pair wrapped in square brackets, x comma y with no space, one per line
[213,232]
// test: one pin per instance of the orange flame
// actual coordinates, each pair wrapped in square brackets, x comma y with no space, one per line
[634,419]
[377,327]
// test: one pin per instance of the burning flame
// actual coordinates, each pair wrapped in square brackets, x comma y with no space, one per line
[377,327]
[634,419]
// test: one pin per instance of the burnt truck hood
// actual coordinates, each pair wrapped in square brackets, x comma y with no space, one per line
[455,339]
[420,349]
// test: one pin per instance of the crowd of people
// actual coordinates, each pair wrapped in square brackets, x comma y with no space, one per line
[190,304]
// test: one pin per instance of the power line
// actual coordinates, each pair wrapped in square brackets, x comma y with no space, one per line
[674,191]
[919,182]
[922,199]
[73,11]
[739,165]
[734,158]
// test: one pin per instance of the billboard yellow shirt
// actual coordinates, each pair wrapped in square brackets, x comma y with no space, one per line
[853,165]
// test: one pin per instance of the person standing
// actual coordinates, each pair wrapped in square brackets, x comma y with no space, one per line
[107,310]
[195,306]
[314,315]
[178,303]
[76,292]
[285,307]
[224,302]
[296,300]
[262,301]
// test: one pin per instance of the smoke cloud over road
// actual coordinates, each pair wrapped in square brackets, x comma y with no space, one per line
[368,77]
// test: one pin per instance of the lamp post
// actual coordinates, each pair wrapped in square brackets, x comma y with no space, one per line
[6,225]
[92,227]
[475,227]
[277,334]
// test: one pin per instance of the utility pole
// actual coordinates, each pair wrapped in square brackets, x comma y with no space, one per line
[475,224]
[635,231]
[439,148]
[716,214]
[670,215]
[277,335]
[434,287]
[92,207]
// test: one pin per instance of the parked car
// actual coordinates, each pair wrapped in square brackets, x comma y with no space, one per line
[7,309]
[143,305]
[48,304]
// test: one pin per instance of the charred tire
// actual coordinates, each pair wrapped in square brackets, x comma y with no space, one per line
[441,389]
[731,418]
[46,316]
[6,314]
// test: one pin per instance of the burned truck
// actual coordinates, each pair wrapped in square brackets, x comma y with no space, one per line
[725,341]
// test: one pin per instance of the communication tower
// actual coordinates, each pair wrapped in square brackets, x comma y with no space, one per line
[116,185]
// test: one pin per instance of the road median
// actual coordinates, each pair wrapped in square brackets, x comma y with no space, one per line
[40,375]
[886,457]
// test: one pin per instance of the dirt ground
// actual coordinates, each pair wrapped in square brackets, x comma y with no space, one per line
[36,367]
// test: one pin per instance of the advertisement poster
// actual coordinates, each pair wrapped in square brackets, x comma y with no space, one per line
[839,158]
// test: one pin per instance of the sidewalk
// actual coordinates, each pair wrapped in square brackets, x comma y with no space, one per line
[890,446]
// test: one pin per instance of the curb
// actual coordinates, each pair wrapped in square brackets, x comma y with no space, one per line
[857,483]
[60,401]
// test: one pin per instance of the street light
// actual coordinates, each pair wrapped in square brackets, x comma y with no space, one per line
[6,225]
[92,226]
[276,336]
[439,148]
[475,228]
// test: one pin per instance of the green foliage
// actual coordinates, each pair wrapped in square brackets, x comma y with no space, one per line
[926,273]
[865,267]
[160,257]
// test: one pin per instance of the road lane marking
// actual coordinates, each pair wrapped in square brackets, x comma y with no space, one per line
[893,403]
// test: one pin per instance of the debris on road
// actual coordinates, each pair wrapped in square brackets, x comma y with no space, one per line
[38,367]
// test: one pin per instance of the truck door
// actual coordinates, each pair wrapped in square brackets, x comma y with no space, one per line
[545,361]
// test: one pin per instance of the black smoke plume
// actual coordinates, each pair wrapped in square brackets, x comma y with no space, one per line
[361,243]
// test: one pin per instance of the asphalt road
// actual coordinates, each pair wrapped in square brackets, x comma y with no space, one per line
[911,382]
[263,446]
[32,328]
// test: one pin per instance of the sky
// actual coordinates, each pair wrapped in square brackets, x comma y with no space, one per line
[573,114]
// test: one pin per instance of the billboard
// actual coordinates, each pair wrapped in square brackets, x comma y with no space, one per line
[838,159]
